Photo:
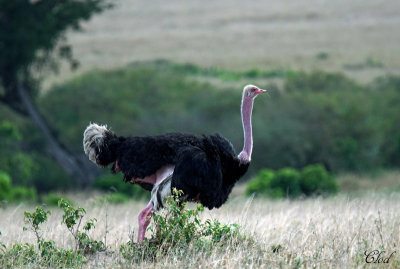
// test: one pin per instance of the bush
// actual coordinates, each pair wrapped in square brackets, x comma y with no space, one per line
[287,182]
[315,180]
[316,118]
[51,199]
[48,176]
[20,194]
[28,169]
[179,231]
[13,161]
[15,194]
[5,186]
[46,254]
[72,218]
[262,185]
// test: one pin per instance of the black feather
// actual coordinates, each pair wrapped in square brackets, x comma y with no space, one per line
[205,167]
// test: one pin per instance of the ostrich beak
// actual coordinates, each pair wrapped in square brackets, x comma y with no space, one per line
[258,91]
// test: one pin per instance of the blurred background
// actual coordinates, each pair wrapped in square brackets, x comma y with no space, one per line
[332,68]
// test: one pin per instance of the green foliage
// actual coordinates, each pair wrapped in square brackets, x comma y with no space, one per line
[18,165]
[15,194]
[34,220]
[47,253]
[262,184]
[318,118]
[286,180]
[37,26]
[115,198]
[17,255]
[5,186]
[319,82]
[9,132]
[124,191]
[223,74]
[71,215]
[312,180]
[177,231]
[51,199]
[20,194]
[49,256]
[369,62]
[72,218]
[32,36]
[28,169]
[53,256]
[48,175]
[2,246]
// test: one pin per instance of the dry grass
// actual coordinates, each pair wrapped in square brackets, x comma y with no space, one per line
[331,233]
[382,181]
[245,34]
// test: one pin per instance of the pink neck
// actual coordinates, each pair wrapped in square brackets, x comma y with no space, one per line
[247,107]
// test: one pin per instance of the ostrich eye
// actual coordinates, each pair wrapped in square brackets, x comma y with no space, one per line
[253,89]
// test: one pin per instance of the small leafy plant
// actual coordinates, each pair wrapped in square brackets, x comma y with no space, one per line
[34,220]
[72,218]
[47,254]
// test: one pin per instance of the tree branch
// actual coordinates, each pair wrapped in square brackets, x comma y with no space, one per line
[13,106]
[66,160]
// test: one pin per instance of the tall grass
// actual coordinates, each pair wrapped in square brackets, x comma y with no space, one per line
[332,232]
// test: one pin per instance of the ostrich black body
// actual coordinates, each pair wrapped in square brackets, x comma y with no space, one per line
[206,167]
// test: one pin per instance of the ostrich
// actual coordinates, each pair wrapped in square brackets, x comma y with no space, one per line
[205,168]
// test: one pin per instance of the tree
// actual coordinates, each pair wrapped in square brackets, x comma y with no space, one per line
[32,36]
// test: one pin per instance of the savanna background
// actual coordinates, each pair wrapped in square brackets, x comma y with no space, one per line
[323,188]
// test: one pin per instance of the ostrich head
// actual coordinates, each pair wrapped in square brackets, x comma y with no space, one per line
[251,91]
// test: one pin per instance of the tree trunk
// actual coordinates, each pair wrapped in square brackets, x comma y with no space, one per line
[78,167]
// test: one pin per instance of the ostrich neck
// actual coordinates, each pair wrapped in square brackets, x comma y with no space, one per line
[247,107]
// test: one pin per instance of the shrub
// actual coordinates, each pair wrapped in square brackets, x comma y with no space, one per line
[287,182]
[316,119]
[72,218]
[15,194]
[48,176]
[51,199]
[315,180]
[20,194]
[47,254]
[13,161]
[262,185]
[179,231]
[5,186]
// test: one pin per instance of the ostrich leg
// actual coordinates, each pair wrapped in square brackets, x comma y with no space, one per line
[145,215]
[144,220]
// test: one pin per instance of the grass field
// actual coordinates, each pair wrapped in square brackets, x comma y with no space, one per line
[327,233]
[360,38]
